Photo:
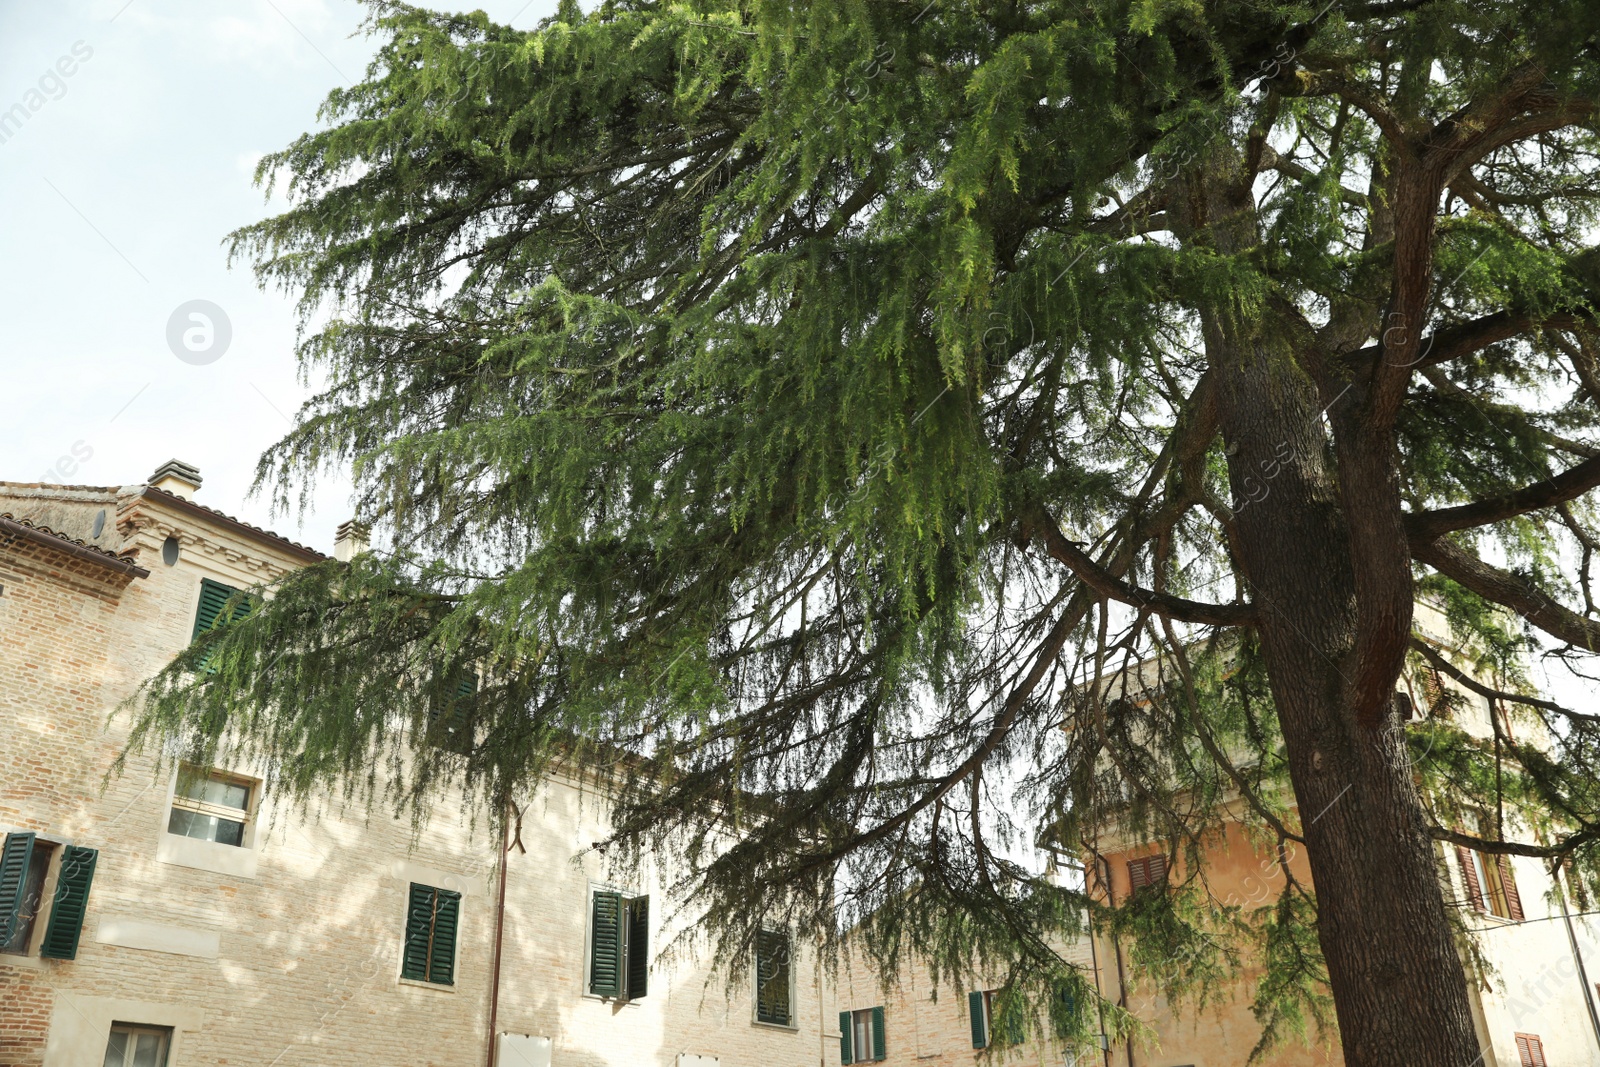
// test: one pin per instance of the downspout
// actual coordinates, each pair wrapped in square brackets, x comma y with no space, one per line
[1116,948]
[500,927]
[1099,998]
[1577,957]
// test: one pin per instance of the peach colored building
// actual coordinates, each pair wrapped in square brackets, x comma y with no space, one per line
[190,919]
[1533,1003]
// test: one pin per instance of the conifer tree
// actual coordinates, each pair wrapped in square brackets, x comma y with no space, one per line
[791,410]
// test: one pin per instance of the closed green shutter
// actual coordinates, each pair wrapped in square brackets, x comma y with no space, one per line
[71,903]
[605,945]
[879,1044]
[14,859]
[452,713]
[638,947]
[772,978]
[446,918]
[845,1028]
[419,927]
[980,1032]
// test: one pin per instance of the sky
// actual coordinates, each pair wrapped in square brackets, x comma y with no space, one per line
[129,134]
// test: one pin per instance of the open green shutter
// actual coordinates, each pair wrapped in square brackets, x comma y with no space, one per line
[14,858]
[419,930]
[879,1045]
[605,945]
[71,903]
[638,947]
[214,596]
[980,1032]
[844,1038]
[442,957]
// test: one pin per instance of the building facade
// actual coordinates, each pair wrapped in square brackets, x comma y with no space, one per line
[189,918]
[1531,978]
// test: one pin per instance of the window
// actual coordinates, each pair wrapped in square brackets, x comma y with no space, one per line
[210,806]
[1530,1051]
[24,869]
[619,945]
[1146,872]
[990,1023]
[1491,887]
[432,916]
[861,1037]
[774,978]
[137,1046]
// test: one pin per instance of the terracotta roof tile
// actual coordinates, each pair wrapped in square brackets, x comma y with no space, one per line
[178,501]
[125,563]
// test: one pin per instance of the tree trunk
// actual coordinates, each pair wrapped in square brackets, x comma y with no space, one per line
[1398,983]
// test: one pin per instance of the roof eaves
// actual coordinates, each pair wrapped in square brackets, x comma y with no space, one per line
[256,533]
[15,528]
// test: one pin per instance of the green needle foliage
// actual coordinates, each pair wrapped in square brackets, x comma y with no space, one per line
[789,411]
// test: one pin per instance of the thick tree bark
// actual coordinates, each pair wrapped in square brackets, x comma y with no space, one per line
[1327,566]
[1398,984]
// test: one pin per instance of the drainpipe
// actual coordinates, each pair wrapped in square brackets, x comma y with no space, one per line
[1116,948]
[1099,1006]
[499,931]
[1577,957]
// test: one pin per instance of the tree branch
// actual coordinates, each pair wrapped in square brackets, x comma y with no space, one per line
[1508,590]
[1568,485]
[1111,587]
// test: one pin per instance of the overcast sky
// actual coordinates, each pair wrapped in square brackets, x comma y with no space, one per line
[128,162]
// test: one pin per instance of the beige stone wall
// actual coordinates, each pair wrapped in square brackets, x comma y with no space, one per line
[928,1023]
[287,952]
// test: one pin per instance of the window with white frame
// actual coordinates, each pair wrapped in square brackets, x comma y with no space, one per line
[211,806]
[131,1045]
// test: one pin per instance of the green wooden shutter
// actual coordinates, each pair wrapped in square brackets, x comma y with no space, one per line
[605,945]
[772,978]
[980,1032]
[638,947]
[214,596]
[845,1035]
[442,956]
[14,858]
[419,928]
[879,1045]
[71,903]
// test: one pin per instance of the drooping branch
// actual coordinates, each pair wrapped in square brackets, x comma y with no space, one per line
[1568,485]
[1508,590]
[1433,656]
[1108,585]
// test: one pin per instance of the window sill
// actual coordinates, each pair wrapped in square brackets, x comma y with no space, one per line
[237,861]
[23,963]
[788,1028]
[437,987]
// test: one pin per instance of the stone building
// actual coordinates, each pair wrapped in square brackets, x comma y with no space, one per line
[192,919]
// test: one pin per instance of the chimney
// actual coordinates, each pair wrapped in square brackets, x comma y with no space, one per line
[352,538]
[176,477]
